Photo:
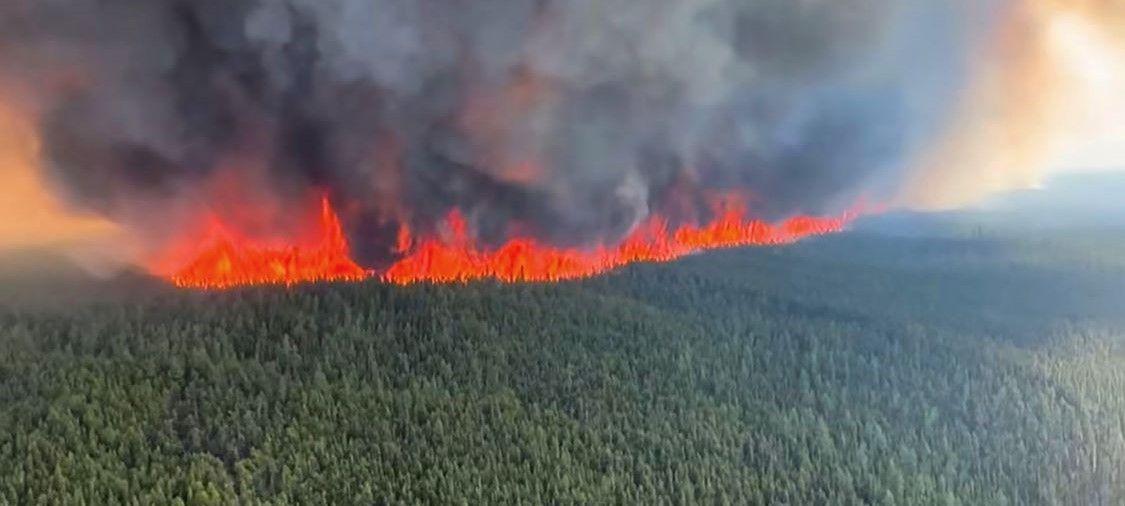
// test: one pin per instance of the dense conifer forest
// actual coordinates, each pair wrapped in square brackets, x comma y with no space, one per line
[965,369]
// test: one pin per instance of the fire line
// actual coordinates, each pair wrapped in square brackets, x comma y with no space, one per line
[229,263]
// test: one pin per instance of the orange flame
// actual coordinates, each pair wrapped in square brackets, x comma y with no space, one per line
[231,261]
[526,260]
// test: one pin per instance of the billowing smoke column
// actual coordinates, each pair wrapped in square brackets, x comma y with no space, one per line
[572,122]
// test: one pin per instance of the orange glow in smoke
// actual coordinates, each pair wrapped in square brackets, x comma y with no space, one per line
[31,215]
[230,260]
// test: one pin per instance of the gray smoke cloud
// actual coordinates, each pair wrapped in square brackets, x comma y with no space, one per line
[571,119]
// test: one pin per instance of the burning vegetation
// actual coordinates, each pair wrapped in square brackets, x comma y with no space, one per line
[230,259]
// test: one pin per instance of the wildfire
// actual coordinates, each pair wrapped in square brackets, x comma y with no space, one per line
[460,259]
[231,261]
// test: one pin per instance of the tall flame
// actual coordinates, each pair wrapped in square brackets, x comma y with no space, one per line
[230,260]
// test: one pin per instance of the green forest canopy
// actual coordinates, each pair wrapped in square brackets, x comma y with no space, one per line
[859,369]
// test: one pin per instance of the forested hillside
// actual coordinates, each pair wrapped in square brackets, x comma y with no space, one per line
[859,369]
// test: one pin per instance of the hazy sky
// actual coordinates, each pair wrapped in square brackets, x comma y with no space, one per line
[1046,99]
[1090,49]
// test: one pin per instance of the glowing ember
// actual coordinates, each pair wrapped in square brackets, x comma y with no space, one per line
[233,261]
[459,259]
[230,261]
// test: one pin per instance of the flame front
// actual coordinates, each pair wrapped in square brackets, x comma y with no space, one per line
[526,260]
[230,261]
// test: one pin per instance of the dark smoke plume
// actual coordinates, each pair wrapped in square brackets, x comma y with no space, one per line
[568,119]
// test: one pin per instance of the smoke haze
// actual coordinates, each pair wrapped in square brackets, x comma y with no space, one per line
[29,213]
[1045,95]
[570,121]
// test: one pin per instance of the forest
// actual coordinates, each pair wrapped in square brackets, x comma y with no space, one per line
[976,367]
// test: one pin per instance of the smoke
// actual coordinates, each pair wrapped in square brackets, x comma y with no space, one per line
[1046,95]
[567,120]
[29,215]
